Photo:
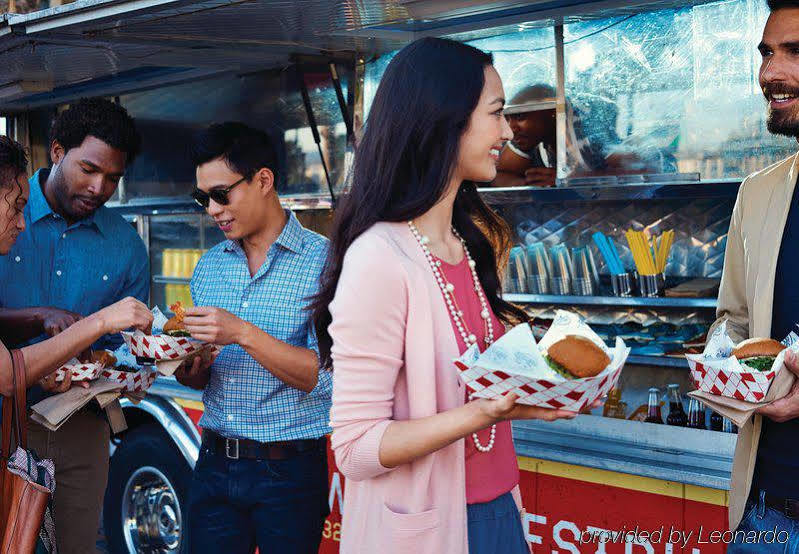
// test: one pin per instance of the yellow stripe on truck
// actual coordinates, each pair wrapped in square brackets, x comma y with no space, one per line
[625,481]
[191,404]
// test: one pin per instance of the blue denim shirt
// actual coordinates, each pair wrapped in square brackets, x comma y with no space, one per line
[81,267]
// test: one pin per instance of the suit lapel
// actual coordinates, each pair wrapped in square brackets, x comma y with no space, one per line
[773,226]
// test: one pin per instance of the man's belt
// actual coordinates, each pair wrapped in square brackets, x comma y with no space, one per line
[255,450]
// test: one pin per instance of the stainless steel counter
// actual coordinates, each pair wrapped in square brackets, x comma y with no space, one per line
[690,456]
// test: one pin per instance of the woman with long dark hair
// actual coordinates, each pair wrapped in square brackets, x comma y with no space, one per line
[411,282]
[43,358]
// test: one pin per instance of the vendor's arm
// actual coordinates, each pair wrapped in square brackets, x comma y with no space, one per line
[507,179]
[296,366]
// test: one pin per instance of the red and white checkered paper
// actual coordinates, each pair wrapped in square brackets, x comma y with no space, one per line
[749,386]
[716,371]
[79,371]
[515,363]
[138,381]
[160,347]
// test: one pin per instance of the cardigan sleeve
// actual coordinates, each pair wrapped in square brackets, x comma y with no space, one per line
[369,314]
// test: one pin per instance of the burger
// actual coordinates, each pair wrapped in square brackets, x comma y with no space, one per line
[758,353]
[576,357]
[102,357]
[175,327]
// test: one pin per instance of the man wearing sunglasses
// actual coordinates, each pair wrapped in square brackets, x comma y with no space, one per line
[261,477]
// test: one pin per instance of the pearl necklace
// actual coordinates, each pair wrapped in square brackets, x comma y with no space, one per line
[457,316]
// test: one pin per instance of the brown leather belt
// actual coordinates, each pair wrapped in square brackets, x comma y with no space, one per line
[235,449]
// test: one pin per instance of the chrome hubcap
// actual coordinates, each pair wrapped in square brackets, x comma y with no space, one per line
[151,518]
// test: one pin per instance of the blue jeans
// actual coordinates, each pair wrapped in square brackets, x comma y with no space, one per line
[778,533]
[277,505]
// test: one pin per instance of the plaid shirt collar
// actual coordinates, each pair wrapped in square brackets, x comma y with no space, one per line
[290,238]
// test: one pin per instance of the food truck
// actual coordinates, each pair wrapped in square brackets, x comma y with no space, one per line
[654,115]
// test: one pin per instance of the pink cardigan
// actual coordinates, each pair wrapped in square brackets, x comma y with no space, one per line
[393,347]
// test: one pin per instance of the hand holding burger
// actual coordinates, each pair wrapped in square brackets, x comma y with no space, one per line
[787,407]
[174,327]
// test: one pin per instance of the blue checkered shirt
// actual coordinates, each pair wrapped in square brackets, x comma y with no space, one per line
[243,399]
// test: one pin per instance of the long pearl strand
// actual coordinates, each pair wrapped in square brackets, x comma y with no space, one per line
[457,316]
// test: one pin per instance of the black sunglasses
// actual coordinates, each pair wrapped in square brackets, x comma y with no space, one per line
[218,195]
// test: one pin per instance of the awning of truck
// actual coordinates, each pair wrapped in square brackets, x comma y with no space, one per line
[106,47]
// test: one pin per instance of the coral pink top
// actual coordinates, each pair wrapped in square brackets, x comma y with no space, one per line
[493,473]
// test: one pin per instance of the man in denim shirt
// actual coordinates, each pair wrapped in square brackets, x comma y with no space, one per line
[261,478]
[75,258]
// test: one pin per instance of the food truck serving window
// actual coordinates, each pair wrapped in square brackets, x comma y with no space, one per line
[167,117]
[672,91]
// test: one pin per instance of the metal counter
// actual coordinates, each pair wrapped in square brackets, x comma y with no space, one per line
[690,456]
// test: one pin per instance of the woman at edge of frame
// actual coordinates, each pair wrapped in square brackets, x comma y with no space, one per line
[411,282]
[43,358]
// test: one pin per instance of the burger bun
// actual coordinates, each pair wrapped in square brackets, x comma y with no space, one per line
[754,347]
[579,356]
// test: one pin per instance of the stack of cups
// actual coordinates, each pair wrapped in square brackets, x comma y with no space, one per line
[517,271]
[585,280]
[540,268]
[560,280]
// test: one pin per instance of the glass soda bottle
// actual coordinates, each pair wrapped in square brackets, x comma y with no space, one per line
[677,415]
[653,407]
[696,414]
[614,407]
[716,421]
[728,426]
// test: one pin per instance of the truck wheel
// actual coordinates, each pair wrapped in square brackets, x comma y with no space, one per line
[145,501]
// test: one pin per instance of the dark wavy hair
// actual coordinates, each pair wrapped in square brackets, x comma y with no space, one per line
[101,119]
[404,162]
[775,5]
[13,163]
[244,149]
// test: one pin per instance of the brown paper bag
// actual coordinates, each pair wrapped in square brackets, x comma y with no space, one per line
[53,411]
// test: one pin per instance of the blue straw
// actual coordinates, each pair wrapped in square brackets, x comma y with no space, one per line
[616,256]
[602,242]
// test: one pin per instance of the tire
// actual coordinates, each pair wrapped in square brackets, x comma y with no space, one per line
[148,482]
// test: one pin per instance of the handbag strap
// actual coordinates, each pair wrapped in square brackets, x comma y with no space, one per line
[14,408]
[20,398]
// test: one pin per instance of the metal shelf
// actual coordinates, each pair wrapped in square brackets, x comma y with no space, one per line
[659,361]
[608,193]
[184,205]
[658,302]
[163,279]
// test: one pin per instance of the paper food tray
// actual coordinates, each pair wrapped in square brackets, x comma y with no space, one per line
[516,363]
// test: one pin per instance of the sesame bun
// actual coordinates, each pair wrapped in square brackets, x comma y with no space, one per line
[580,356]
[751,348]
